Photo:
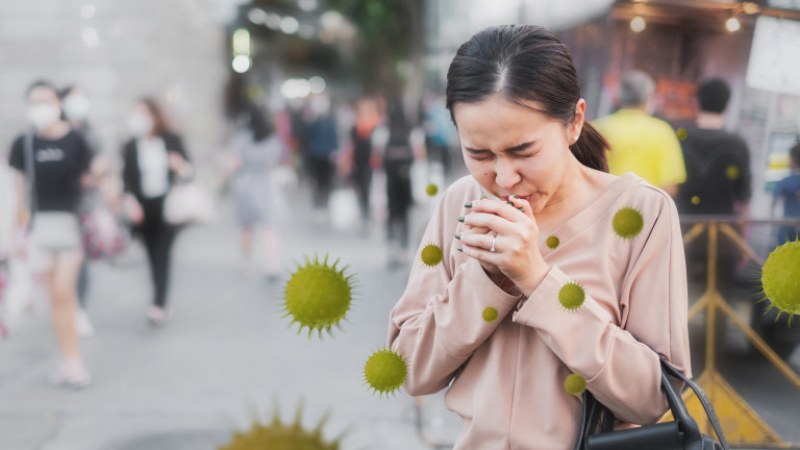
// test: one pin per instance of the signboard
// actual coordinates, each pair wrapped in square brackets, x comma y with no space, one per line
[775,56]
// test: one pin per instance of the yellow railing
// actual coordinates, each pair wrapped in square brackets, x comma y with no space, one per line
[743,427]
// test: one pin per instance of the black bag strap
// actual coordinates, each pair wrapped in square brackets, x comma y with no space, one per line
[598,418]
[30,172]
[701,396]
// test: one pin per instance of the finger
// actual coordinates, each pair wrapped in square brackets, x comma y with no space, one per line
[465,227]
[490,221]
[480,254]
[481,241]
[506,210]
[522,205]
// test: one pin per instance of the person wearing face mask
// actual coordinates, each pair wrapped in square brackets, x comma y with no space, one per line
[52,162]
[76,107]
[153,160]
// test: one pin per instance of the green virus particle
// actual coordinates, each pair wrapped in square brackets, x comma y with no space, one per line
[552,242]
[385,371]
[628,223]
[431,255]
[431,189]
[732,172]
[318,295]
[575,384]
[490,314]
[682,133]
[695,200]
[278,435]
[779,278]
[571,296]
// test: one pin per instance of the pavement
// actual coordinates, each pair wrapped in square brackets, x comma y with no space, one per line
[228,356]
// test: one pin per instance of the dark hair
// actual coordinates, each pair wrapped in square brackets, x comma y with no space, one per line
[794,153]
[713,95]
[524,63]
[41,84]
[66,90]
[161,125]
[258,123]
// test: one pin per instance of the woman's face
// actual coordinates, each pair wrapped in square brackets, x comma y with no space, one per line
[510,149]
[140,121]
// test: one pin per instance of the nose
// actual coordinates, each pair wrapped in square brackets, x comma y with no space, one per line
[506,174]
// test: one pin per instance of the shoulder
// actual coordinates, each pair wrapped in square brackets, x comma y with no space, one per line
[651,202]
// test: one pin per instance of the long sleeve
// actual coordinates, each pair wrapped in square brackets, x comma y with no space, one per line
[129,169]
[619,355]
[438,322]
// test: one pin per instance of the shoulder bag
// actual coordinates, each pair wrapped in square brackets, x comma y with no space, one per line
[596,428]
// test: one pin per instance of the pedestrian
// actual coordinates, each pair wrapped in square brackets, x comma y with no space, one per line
[549,266]
[52,162]
[76,108]
[320,142]
[787,191]
[260,207]
[641,143]
[154,159]
[397,157]
[717,180]
[362,155]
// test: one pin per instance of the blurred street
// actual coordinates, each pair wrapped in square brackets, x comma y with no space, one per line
[226,354]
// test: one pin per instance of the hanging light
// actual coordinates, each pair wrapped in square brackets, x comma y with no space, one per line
[732,24]
[638,24]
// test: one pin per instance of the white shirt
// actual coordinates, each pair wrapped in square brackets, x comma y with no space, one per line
[153,166]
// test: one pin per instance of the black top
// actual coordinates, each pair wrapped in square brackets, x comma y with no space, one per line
[58,167]
[717,172]
[131,174]
[362,148]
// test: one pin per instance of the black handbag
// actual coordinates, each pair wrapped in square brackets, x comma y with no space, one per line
[596,428]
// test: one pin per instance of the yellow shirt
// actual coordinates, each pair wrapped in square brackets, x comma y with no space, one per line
[643,145]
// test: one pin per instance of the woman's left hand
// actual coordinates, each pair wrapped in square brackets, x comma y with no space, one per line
[178,164]
[505,237]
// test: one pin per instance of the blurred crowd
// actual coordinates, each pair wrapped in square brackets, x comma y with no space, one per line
[365,163]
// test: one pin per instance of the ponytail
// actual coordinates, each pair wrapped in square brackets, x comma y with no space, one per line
[590,149]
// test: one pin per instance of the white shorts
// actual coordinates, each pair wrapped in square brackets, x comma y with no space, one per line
[55,236]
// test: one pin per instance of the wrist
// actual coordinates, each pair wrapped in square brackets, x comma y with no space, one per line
[533,279]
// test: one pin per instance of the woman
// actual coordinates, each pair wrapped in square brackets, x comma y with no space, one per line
[259,205]
[537,283]
[75,108]
[52,163]
[154,159]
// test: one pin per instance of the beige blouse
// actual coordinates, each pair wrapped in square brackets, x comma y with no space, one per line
[506,377]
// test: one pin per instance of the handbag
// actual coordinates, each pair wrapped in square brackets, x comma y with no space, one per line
[104,236]
[595,431]
[187,204]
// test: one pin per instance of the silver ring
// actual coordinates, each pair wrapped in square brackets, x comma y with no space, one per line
[494,241]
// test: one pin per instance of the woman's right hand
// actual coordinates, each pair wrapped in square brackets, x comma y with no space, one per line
[132,209]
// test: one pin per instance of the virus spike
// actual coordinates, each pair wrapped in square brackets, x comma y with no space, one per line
[627,223]
[385,371]
[318,294]
[571,296]
[779,278]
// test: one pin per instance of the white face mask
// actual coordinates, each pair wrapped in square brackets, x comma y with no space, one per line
[139,124]
[43,115]
[76,107]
